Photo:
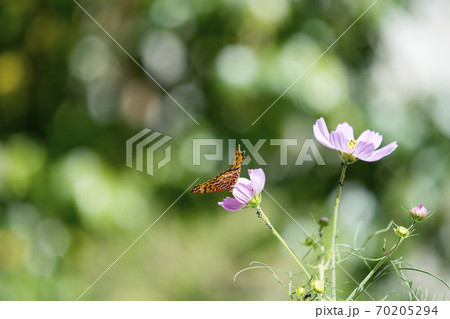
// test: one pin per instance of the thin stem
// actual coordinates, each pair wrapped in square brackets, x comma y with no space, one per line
[360,287]
[274,231]
[358,290]
[333,235]
[322,267]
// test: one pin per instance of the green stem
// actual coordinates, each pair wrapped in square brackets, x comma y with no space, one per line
[322,267]
[358,290]
[270,226]
[333,235]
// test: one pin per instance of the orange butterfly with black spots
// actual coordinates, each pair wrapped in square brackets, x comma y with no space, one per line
[224,181]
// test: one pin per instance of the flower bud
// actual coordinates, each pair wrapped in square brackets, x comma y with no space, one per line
[323,221]
[317,286]
[401,231]
[300,290]
[309,241]
[418,213]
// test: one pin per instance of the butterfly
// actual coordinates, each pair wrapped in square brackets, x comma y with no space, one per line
[224,181]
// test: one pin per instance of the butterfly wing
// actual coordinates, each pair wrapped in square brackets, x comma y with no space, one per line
[224,181]
[238,158]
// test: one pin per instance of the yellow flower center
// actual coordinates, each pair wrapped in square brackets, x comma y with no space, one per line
[348,157]
[351,144]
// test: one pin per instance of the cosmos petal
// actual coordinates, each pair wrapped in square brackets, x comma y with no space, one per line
[243,192]
[258,179]
[382,152]
[372,137]
[231,204]
[346,129]
[339,141]
[243,180]
[321,133]
[363,150]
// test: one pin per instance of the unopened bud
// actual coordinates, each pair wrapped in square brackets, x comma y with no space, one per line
[418,213]
[309,241]
[300,290]
[317,286]
[323,221]
[401,231]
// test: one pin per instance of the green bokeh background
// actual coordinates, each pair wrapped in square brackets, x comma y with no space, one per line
[70,98]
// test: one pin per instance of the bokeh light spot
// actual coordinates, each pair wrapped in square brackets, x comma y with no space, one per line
[164,56]
[12,72]
[237,65]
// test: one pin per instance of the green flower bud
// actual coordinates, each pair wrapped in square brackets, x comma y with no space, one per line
[317,286]
[323,221]
[300,290]
[309,241]
[401,231]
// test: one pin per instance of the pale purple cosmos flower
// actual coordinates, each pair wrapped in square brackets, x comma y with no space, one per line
[342,139]
[418,213]
[246,192]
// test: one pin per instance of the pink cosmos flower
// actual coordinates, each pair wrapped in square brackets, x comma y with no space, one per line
[342,139]
[246,192]
[418,213]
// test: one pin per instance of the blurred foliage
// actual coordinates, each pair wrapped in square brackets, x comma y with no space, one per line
[70,98]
